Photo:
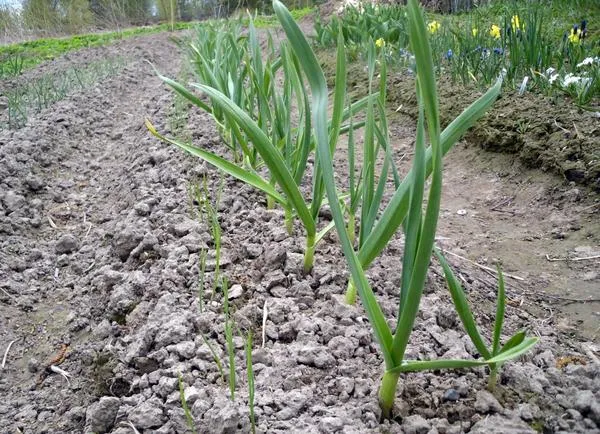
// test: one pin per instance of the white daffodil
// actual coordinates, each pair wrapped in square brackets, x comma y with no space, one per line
[357,4]
[570,79]
[585,62]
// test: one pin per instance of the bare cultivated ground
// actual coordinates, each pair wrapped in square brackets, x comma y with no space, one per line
[100,246]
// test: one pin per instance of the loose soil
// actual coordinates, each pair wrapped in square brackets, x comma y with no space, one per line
[100,246]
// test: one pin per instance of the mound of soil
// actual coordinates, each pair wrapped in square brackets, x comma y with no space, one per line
[548,134]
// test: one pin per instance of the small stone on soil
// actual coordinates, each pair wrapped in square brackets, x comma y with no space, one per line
[485,402]
[275,257]
[34,183]
[148,414]
[497,424]
[125,241]
[583,401]
[451,395]
[100,416]
[235,291]
[142,208]
[415,424]
[66,244]
[33,365]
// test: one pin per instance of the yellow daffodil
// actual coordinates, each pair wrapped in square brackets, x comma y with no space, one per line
[495,31]
[575,36]
[380,43]
[515,23]
[474,31]
[433,26]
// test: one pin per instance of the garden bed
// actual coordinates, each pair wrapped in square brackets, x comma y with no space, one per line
[100,252]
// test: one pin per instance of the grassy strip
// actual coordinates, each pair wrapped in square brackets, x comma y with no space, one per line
[266,21]
[35,52]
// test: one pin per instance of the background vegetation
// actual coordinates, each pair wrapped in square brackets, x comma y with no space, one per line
[26,19]
[550,46]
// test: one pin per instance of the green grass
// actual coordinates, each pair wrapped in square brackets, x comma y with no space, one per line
[35,52]
[229,339]
[266,21]
[250,379]
[186,409]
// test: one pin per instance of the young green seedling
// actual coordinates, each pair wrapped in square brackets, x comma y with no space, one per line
[229,338]
[464,312]
[189,419]
[250,379]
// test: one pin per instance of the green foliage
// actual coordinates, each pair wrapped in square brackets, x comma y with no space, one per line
[266,21]
[37,94]
[256,120]
[186,409]
[358,26]
[459,298]
[523,38]
[215,357]
[229,339]
[250,380]
[12,66]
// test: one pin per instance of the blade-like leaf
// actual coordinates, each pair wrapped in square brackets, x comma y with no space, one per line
[324,231]
[430,365]
[426,90]
[500,308]
[396,210]
[514,352]
[415,215]
[462,307]
[515,340]
[383,137]
[335,122]
[339,95]
[250,178]
[182,90]
[368,190]
[269,153]
[421,49]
